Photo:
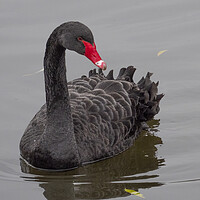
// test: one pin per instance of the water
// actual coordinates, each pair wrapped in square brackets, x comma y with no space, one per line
[165,162]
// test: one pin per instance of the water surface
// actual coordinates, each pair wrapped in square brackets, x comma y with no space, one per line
[164,163]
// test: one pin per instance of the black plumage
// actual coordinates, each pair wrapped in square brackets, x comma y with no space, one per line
[87,119]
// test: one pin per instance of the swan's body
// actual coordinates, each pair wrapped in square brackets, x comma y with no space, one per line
[90,118]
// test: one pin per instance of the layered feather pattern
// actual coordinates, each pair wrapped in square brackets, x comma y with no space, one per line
[108,114]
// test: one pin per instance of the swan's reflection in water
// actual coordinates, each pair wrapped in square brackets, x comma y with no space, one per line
[105,179]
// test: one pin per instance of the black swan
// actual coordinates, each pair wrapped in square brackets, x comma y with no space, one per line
[90,118]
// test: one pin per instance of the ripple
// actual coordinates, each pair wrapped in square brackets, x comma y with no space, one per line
[8,171]
[186,181]
[105,179]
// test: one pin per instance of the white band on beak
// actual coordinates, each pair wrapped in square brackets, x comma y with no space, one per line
[99,63]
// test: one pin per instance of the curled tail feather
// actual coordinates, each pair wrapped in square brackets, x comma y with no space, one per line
[143,95]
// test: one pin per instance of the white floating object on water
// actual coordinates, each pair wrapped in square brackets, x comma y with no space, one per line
[41,70]
[161,52]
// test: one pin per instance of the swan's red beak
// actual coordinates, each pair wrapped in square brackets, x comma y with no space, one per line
[92,54]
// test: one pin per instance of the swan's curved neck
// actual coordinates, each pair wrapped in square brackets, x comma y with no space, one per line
[55,74]
[59,130]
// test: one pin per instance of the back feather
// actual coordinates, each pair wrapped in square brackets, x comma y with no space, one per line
[109,113]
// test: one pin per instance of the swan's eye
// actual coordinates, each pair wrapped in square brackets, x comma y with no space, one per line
[80,38]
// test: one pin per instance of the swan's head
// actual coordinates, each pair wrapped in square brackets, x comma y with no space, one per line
[77,37]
